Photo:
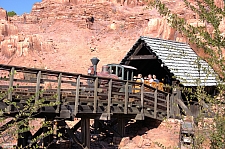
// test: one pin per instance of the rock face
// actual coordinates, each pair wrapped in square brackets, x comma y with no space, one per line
[122,2]
[21,44]
[3,14]
[60,27]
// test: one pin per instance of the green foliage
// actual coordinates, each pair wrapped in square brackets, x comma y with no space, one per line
[20,122]
[218,137]
[209,131]
[11,13]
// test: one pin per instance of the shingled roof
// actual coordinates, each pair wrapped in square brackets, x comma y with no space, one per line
[181,61]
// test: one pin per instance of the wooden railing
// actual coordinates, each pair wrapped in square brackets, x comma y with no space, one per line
[104,95]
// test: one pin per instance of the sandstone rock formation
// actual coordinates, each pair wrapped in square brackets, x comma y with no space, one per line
[59,27]
[3,14]
[122,2]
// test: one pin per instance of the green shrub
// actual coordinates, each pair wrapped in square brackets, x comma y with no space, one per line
[11,13]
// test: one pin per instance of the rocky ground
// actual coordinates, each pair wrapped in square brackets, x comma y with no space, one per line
[148,134]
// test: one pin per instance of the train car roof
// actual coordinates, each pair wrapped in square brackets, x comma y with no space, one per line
[125,66]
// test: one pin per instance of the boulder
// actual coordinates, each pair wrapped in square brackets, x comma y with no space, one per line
[124,141]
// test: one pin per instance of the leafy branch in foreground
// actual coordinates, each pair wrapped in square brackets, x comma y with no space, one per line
[211,41]
[19,124]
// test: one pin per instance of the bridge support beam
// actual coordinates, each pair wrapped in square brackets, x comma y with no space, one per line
[121,126]
[23,137]
[85,131]
[96,126]
[47,141]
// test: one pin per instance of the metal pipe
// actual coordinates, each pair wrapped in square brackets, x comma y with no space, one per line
[94,62]
[95,69]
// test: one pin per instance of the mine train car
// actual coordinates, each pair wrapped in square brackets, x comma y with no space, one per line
[115,71]
[123,72]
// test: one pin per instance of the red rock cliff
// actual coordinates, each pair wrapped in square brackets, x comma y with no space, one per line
[57,35]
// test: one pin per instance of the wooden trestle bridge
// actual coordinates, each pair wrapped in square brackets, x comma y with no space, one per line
[69,95]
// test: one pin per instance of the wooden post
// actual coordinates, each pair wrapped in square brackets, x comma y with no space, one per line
[49,138]
[109,98]
[23,137]
[121,126]
[96,121]
[85,131]
[95,95]
[126,98]
[168,105]
[38,87]
[77,96]
[172,105]
[59,93]
[175,104]
[155,104]
[11,78]
[142,99]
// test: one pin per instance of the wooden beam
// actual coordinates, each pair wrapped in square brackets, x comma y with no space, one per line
[184,107]
[38,86]
[109,98]
[6,126]
[141,57]
[11,78]
[59,92]
[155,104]
[70,132]
[142,99]
[95,95]
[168,105]
[77,96]
[172,105]
[85,132]
[175,102]
[126,98]
[135,52]
[121,126]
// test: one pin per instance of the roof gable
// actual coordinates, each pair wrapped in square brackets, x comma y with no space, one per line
[179,58]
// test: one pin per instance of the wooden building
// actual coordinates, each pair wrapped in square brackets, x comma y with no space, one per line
[172,62]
